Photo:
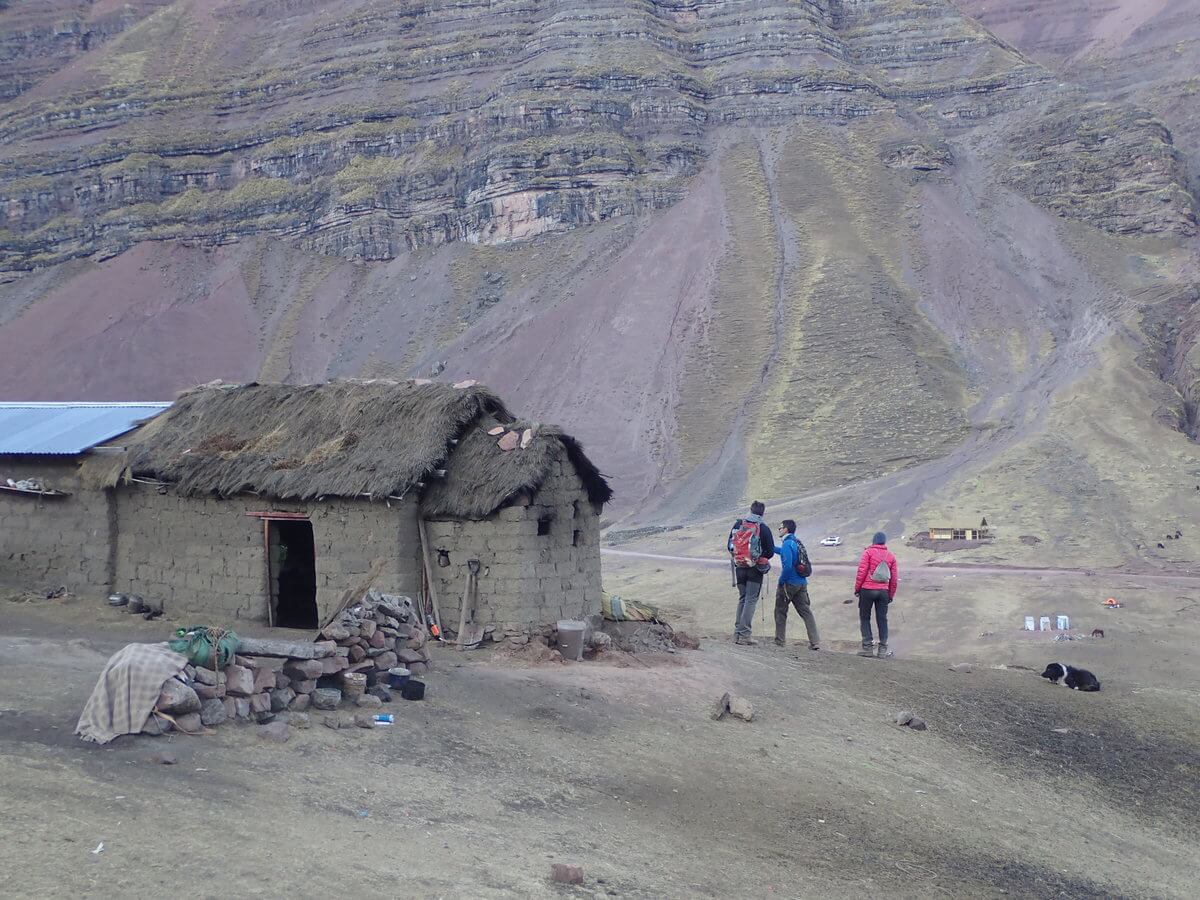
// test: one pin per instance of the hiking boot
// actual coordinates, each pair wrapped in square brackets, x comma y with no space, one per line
[780,642]
[868,651]
[814,646]
[883,651]
[746,641]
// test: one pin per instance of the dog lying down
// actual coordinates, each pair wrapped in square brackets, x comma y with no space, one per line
[1069,676]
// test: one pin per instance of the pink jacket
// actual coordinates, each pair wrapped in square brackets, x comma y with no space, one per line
[872,557]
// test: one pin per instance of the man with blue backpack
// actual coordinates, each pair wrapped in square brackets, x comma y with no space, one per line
[751,546]
[793,587]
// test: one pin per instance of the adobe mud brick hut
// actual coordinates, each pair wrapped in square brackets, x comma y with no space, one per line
[271,502]
[54,530]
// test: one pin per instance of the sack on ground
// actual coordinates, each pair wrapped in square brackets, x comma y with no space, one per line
[617,610]
[197,643]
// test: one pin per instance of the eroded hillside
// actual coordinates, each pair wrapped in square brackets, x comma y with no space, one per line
[757,247]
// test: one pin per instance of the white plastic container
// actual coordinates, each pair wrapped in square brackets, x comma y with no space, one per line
[1029,624]
[1044,623]
[1064,623]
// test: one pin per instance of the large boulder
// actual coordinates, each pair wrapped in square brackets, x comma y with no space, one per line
[177,698]
[213,712]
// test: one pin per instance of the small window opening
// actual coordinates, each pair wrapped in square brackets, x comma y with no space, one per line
[543,526]
[293,568]
[575,508]
[575,538]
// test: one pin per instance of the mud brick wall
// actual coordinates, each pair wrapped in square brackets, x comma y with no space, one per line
[47,542]
[205,556]
[526,578]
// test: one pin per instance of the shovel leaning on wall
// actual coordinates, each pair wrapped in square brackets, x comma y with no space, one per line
[470,632]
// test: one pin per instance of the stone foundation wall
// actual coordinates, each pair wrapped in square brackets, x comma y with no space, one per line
[526,578]
[205,556]
[48,542]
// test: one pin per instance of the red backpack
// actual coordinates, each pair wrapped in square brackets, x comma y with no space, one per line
[747,544]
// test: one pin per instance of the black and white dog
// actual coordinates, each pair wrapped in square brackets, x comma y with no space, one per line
[1069,676]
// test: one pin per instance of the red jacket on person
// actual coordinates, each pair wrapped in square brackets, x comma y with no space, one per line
[872,557]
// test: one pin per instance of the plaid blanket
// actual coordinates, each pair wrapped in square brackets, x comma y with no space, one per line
[127,691]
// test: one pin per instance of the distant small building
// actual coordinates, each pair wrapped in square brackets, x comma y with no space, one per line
[979,533]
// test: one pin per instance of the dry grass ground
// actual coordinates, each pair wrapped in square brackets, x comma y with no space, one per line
[1151,644]
[506,768]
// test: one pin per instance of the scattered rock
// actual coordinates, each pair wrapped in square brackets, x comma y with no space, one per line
[917,724]
[420,668]
[683,641]
[296,719]
[962,668]
[741,708]
[209,691]
[303,670]
[335,633]
[382,691]
[156,725]
[407,657]
[162,758]
[177,698]
[326,698]
[369,701]
[189,723]
[264,680]
[385,660]
[566,873]
[364,720]
[213,712]
[903,717]
[239,681]
[720,707]
[278,731]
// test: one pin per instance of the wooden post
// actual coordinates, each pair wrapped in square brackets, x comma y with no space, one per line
[437,615]
[462,618]
[267,556]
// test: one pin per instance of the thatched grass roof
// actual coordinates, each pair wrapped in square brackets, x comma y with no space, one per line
[481,478]
[349,439]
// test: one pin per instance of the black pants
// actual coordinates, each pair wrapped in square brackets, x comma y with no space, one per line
[868,599]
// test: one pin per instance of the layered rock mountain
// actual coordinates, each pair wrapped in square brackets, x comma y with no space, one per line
[739,246]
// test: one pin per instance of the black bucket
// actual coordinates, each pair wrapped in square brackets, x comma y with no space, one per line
[413,690]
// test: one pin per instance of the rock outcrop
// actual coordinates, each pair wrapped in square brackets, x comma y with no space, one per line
[365,132]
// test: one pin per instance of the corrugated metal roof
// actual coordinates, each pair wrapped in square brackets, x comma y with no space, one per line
[66,429]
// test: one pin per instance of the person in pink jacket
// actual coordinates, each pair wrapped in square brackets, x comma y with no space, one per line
[875,586]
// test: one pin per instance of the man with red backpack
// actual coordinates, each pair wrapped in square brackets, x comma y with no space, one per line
[875,586]
[751,546]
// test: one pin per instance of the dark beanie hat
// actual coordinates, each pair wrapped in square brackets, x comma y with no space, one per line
[880,538]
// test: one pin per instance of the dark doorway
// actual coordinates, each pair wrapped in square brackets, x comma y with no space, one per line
[293,561]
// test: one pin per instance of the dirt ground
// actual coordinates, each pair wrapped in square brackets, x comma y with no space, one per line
[1018,788]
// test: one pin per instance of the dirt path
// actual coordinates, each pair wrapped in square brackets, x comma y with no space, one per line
[1109,575]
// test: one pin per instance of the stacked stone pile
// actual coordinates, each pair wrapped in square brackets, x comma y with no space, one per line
[346,666]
